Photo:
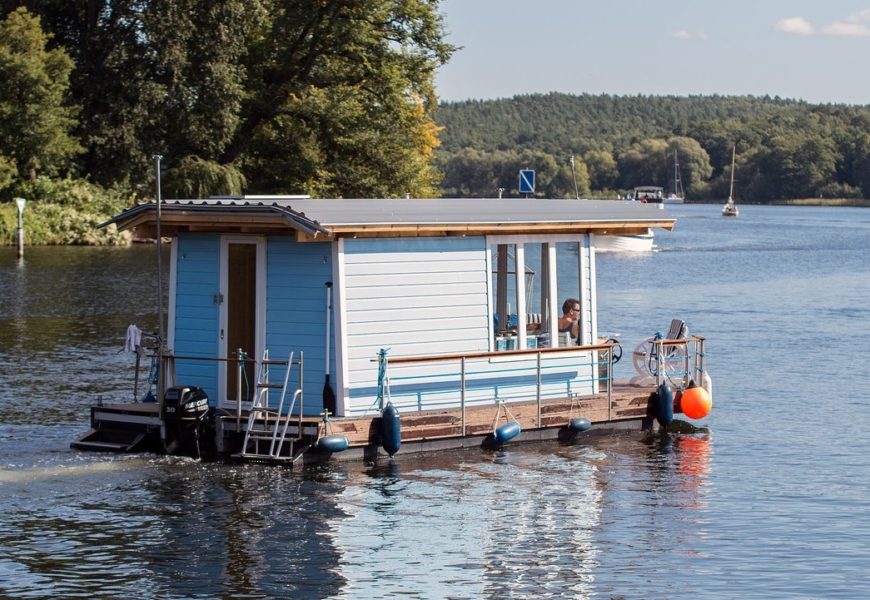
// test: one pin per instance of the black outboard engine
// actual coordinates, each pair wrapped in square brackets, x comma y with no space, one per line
[184,411]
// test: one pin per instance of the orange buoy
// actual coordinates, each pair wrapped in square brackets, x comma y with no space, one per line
[696,403]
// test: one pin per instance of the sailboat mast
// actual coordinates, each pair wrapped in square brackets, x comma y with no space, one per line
[731,189]
[678,180]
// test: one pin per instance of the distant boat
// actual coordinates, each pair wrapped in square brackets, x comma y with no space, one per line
[642,242]
[648,193]
[678,196]
[730,209]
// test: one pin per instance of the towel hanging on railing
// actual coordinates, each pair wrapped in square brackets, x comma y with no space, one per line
[134,339]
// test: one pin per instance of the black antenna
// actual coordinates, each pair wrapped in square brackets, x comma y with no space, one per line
[157,159]
[574,174]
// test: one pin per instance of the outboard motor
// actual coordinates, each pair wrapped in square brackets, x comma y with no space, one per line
[184,410]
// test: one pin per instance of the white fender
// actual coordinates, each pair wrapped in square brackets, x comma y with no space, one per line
[707,384]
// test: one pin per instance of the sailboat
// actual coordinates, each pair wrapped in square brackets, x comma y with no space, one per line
[730,209]
[678,196]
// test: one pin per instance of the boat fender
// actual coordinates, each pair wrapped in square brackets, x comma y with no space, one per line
[391,429]
[579,424]
[663,404]
[506,432]
[696,402]
[333,443]
[707,384]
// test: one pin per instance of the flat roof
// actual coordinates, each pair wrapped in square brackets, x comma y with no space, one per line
[395,217]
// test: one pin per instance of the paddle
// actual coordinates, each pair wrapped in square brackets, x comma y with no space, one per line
[328,394]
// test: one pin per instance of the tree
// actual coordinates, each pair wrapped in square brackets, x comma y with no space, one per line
[644,163]
[695,167]
[340,98]
[35,121]
[328,96]
[602,168]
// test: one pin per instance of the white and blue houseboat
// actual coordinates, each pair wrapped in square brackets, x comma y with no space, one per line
[303,328]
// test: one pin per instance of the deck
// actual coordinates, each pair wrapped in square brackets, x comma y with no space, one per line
[444,428]
[421,430]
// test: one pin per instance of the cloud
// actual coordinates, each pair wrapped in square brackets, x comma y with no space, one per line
[689,35]
[857,25]
[794,25]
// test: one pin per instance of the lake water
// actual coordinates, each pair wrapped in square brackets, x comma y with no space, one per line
[768,498]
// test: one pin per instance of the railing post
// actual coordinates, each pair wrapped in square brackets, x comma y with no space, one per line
[462,393]
[660,348]
[239,367]
[538,388]
[610,383]
[301,398]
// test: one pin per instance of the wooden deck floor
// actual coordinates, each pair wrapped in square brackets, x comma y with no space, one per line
[628,402]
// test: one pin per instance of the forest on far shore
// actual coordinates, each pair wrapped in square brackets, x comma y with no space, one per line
[785,149]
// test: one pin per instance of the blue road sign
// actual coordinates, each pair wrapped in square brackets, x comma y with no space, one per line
[527,181]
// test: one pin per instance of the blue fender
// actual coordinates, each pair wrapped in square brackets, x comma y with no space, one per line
[391,429]
[579,424]
[333,443]
[506,432]
[663,404]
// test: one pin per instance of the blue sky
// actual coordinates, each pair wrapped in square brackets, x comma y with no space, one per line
[814,50]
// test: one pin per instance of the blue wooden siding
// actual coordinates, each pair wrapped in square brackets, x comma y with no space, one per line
[296,313]
[196,314]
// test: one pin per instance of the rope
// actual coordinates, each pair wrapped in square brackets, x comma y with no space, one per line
[507,413]
[383,379]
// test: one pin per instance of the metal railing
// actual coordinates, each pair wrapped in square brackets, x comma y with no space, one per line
[594,357]
[690,353]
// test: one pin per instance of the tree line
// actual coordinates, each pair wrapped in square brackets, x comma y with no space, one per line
[784,148]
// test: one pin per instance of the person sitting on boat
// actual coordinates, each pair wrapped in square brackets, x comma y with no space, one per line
[568,322]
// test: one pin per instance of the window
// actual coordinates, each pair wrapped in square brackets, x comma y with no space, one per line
[530,277]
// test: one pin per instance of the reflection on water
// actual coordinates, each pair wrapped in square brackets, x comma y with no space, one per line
[767,498]
[528,520]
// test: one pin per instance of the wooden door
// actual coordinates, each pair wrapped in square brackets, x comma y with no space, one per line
[241,322]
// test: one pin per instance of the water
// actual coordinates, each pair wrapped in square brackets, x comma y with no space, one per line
[767,499]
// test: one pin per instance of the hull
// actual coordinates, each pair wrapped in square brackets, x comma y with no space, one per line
[623,243]
[730,210]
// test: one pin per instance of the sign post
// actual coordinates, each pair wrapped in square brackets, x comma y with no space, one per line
[527,182]
[19,234]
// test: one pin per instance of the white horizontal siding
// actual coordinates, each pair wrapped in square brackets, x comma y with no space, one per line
[429,297]
[413,296]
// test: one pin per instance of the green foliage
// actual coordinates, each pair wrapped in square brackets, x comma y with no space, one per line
[53,224]
[35,122]
[197,178]
[331,96]
[77,194]
[65,211]
[785,149]
[602,168]
[8,172]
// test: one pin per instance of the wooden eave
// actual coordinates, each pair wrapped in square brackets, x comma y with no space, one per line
[275,220]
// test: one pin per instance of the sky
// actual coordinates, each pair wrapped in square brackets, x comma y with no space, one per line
[813,50]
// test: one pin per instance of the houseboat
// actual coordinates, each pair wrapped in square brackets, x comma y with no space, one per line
[304,329]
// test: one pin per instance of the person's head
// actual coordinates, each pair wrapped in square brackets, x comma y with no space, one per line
[571,306]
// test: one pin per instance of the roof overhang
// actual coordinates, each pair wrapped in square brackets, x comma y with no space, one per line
[323,219]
